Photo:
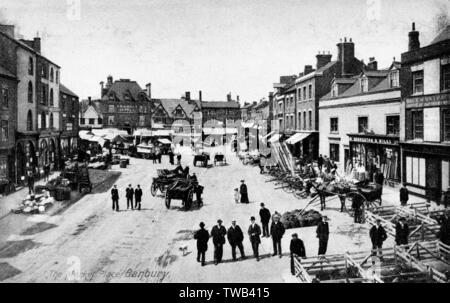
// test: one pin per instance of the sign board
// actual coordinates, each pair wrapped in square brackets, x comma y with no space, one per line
[374,140]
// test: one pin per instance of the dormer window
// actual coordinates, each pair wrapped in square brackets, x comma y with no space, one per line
[111,97]
[126,97]
[393,79]
[364,85]
[334,90]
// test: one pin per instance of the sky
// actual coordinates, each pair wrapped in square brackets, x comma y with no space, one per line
[217,46]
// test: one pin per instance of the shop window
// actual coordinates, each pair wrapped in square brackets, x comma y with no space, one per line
[3,167]
[334,125]
[417,124]
[91,121]
[445,77]
[5,130]
[393,79]
[418,82]
[393,125]
[445,167]
[446,124]
[415,171]
[363,124]
[30,92]
[29,121]
[5,97]
[334,152]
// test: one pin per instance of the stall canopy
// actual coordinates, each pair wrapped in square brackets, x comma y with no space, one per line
[269,134]
[152,133]
[275,137]
[297,138]
[88,136]
[164,141]
[219,131]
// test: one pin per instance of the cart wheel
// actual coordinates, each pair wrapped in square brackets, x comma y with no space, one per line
[167,201]
[153,189]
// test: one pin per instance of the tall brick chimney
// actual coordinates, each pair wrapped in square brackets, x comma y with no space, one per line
[308,69]
[322,59]
[373,64]
[109,81]
[37,44]
[413,35]
[229,97]
[101,88]
[187,96]
[346,55]
[200,96]
[7,29]
[148,90]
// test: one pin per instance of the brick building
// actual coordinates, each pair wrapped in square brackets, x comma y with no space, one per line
[425,115]
[69,106]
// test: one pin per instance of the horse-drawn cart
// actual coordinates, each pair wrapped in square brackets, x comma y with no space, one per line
[181,189]
[220,158]
[165,178]
[201,157]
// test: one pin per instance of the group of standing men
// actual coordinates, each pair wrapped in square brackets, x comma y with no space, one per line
[130,193]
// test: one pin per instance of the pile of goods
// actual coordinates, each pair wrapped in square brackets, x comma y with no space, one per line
[337,274]
[295,218]
[35,204]
[59,188]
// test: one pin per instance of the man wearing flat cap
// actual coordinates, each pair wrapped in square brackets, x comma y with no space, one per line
[401,232]
[202,237]
[253,232]
[243,192]
[218,234]
[297,248]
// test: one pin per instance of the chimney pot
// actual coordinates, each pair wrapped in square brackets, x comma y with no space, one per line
[414,42]
[200,95]
[414,26]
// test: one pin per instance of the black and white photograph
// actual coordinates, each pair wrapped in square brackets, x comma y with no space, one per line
[234,142]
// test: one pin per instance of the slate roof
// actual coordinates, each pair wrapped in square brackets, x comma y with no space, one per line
[442,36]
[84,105]
[5,72]
[220,104]
[63,89]
[121,87]
[171,104]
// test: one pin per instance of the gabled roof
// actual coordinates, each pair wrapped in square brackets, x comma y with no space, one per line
[86,104]
[220,104]
[63,89]
[5,72]
[169,105]
[123,86]
[442,36]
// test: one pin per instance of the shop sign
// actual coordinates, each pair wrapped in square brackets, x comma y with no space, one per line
[375,140]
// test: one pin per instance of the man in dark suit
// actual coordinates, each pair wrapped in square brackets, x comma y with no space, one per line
[401,232]
[322,233]
[254,231]
[277,232]
[218,233]
[235,238]
[138,197]
[378,177]
[320,162]
[377,236]
[357,204]
[202,237]
[115,198]
[265,215]
[129,193]
[297,248]
[243,192]
[404,195]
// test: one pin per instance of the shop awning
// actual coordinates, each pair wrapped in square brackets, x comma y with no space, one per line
[164,141]
[297,138]
[275,138]
[247,124]
[162,132]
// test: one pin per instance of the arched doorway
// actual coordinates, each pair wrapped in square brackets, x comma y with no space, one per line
[43,153]
[52,153]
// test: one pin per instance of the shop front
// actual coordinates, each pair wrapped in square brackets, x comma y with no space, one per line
[368,152]
[426,169]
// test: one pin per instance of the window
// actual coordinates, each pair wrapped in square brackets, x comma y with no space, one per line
[43,121]
[310,119]
[334,152]
[29,121]
[30,66]
[299,121]
[304,120]
[415,171]
[299,94]
[30,92]
[5,130]
[363,124]
[82,121]
[3,167]
[57,76]
[417,124]
[393,79]
[364,85]
[304,93]
[51,121]
[445,76]
[334,125]
[51,97]
[310,91]
[91,121]
[418,82]
[446,124]
[393,125]
[43,71]
[100,120]
[51,74]
[44,95]
[5,97]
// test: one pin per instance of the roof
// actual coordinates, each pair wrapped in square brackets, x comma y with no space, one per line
[63,89]
[5,72]
[376,73]
[84,105]
[220,104]
[442,36]
[25,46]
[318,72]
[171,104]
[121,87]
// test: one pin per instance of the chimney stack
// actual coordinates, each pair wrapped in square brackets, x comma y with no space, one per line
[187,96]
[308,69]
[89,100]
[373,64]
[148,91]
[414,42]
[229,97]
[37,44]
[109,81]
[200,96]
[101,88]
[237,98]
[7,30]
[346,56]
[322,59]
